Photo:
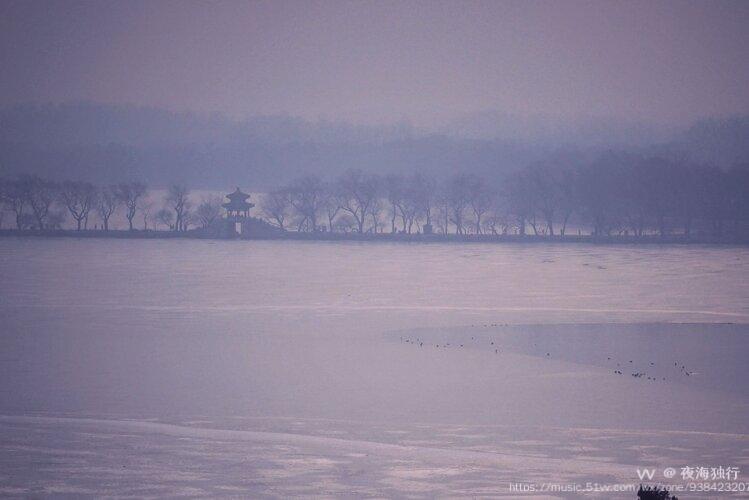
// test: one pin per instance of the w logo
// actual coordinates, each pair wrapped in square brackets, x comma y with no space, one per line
[645,473]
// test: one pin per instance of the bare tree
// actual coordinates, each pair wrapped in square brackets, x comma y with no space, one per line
[375,209]
[130,193]
[209,211]
[26,221]
[395,187]
[442,205]
[178,199]
[331,204]
[41,195]
[542,179]
[165,217]
[357,192]
[55,219]
[480,198]
[521,200]
[566,185]
[189,218]
[345,223]
[497,220]
[457,195]
[145,210]
[307,198]
[106,204]
[660,176]
[276,207]
[15,197]
[687,195]
[79,198]
[601,185]
[418,201]
[628,202]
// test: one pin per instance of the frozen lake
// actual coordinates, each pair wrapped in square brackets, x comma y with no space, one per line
[153,367]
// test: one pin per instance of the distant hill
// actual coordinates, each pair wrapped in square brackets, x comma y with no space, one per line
[107,143]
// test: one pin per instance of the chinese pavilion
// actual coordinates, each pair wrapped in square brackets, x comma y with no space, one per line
[237,210]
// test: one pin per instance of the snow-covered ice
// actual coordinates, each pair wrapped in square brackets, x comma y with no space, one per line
[152,368]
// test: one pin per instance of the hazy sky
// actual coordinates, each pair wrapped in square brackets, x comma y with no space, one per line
[383,61]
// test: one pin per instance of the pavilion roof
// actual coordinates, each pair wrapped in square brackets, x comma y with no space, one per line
[237,195]
[238,201]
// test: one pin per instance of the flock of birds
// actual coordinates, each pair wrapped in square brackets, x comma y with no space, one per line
[683,371]
[617,371]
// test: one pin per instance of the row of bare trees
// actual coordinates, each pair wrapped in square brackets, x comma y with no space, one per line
[355,201]
[43,204]
[616,194]
[179,211]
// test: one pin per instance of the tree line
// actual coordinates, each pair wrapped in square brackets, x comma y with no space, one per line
[616,194]
[42,204]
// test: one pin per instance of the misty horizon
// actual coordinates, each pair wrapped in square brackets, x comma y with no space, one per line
[105,143]
[427,63]
[495,121]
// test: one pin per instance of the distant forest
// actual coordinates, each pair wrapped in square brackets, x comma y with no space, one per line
[108,144]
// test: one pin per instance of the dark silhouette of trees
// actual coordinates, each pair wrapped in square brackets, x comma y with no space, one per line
[307,196]
[457,195]
[521,200]
[79,198]
[738,199]
[331,205]
[615,194]
[658,179]
[480,198]
[375,210]
[276,207]
[687,197]
[14,197]
[165,217]
[496,221]
[395,187]
[409,200]
[601,188]
[55,219]
[107,203]
[345,223]
[40,194]
[189,218]
[145,210]
[131,194]
[178,199]
[566,182]
[540,179]
[357,192]
[209,211]
[420,199]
